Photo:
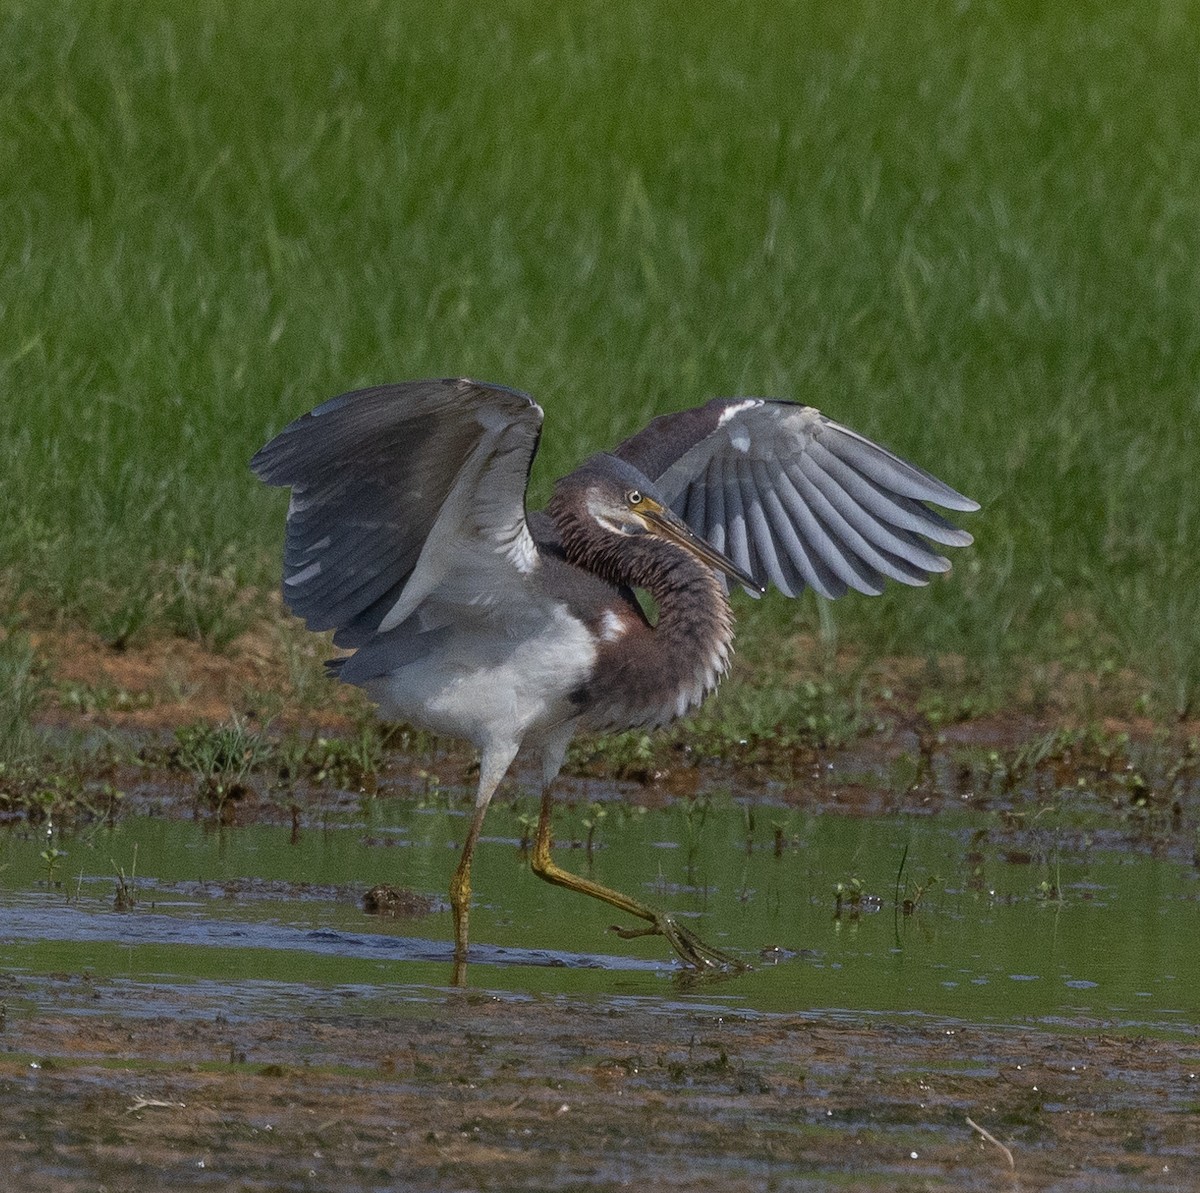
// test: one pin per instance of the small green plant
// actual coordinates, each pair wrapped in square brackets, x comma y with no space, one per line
[851,899]
[349,763]
[779,829]
[308,684]
[220,757]
[125,894]
[625,813]
[433,794]
[119,617]
[206,603]
[847,893]
[591,822]
[527,823]
[27,788]
[1050,889]
[633,755]
[1048,892]
[940,708]
[52,856]
[695,813]
[774,717]
[912,901]
[91,698]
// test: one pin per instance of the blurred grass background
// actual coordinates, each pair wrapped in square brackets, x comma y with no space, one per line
[970,230]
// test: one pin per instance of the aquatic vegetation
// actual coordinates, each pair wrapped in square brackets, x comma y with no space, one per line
[220,757]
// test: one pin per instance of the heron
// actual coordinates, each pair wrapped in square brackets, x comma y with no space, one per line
[469,615]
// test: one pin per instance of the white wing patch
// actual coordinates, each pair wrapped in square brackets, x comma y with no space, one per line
[731,412]
[522,551]
[612,626]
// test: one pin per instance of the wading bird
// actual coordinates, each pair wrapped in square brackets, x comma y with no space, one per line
[407,535]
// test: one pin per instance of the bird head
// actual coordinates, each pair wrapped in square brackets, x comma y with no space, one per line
[618,499]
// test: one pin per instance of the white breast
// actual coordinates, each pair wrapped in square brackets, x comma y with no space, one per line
[493,678]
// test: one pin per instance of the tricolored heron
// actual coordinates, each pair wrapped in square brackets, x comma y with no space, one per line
[408,536]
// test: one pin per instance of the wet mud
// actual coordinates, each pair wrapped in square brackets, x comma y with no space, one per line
[124,1088]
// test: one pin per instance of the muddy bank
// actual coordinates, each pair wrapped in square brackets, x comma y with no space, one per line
[118,1087]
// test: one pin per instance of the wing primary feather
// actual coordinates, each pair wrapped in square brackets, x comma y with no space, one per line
[839,544]
[889,470]
[798,533]
[776,564]
[894,541]
[696,508]
[881,546]
[354,592]
[372,474]
[897,511]
[902,512]
[354,558]
[362,627]
[738,545]
[714,487]
[347,542]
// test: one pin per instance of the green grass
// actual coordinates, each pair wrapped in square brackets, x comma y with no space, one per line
[22,690]
[970,230]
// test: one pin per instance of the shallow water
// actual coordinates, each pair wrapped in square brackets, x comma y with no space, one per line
[1061,925]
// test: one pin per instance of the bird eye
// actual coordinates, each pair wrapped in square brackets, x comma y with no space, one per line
[634,497]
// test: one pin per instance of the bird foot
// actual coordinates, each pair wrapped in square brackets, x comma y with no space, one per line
[691,949]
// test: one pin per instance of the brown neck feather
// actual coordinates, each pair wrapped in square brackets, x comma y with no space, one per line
[658,673]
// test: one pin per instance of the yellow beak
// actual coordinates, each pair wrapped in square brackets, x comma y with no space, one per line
[665,524]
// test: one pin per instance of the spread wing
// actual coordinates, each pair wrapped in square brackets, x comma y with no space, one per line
[401,493]
[797,499]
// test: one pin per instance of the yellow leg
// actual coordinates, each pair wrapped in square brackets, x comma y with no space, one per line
[492,765]
[460,887]
[690,947]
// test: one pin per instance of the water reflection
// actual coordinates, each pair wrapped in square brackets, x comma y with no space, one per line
[942,915]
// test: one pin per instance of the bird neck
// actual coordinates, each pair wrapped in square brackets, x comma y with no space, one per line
[693,635]
[692,605]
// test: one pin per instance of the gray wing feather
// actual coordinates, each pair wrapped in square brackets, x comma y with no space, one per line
[824,497]
[814,561]
[737,543]
[888,470]
[399,493]
[848,554]
[796,498]
[696,507]
[881,516]
[863,482]
[901,555]
[787,572]
[714,491]
[772,555]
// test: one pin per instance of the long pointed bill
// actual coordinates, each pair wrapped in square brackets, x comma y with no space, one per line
[675,530]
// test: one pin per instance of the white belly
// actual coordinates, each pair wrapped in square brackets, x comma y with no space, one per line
[492,680]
